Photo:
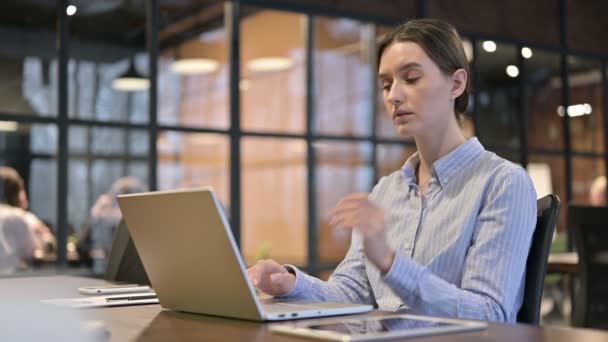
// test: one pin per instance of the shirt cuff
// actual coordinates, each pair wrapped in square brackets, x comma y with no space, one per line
[404,275]
[299,286]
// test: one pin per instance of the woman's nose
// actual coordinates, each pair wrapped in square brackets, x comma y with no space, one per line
[395,97]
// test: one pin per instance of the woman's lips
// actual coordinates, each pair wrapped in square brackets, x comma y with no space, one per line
[401,114]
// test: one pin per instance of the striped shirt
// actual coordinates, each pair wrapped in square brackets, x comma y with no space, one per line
[460,250]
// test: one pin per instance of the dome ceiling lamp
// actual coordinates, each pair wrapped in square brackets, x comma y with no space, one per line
[131,80]
[193,66]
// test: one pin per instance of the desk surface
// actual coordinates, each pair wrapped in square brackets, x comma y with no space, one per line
[152,323]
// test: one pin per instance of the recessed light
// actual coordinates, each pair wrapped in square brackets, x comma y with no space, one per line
[512,70]
[526,52]
[489,46]
[71,10]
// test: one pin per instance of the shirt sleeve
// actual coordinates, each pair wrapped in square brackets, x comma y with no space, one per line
[347,284]
[492,280]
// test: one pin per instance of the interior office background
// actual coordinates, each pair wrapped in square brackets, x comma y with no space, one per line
[276,105]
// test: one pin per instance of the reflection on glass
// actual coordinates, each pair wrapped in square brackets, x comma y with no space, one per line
[91,95]
[189,160]
[584,172]
[392,157]
[585,108]
[273,72]
[27,85]
[542,89]
[342,168]
[274,201]
[193,82]
[548,175]
[342,77]
[498,95]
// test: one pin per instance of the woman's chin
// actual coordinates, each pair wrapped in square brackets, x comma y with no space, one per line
[405,132]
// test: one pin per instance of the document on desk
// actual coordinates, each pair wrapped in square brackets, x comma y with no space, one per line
[102,301]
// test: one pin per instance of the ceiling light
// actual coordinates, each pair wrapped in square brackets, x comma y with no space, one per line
[576,110]
[194,66]
[71,10]
[489,46]
[512,70]
[526,52]
[8,126]
[266,64]
[131,80]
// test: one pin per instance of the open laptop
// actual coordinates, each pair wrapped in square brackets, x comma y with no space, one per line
[188,251]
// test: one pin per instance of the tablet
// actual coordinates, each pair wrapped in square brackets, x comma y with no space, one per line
[365,328]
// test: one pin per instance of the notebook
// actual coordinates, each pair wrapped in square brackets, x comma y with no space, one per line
[190,255]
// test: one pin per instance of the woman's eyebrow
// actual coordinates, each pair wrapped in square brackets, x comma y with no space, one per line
[382,76]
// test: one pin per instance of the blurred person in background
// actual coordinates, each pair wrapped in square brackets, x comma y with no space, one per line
[105,216]
[23,235]
[597,193]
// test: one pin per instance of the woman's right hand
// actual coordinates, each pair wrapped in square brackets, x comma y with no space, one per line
[271,278]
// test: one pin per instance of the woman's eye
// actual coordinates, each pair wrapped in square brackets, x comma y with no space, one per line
[386,87]
[412,80]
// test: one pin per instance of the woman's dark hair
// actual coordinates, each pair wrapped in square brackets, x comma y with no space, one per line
[441,42]
[12,185]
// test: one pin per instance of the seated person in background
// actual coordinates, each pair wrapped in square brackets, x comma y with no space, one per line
[597,194]
[22,234]
[449,233]
[105,216]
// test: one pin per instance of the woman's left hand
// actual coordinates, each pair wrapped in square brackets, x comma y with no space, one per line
[356,211]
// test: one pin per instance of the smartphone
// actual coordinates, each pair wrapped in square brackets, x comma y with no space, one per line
[112,289]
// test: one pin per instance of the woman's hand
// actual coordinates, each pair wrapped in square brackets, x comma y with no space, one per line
[356,211]
[271,278]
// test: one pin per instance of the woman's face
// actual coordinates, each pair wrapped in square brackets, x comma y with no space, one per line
[418,97]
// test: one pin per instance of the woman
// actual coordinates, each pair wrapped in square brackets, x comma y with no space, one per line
[22,234]
[449,233]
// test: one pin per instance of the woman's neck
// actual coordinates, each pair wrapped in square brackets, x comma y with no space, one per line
[436,145]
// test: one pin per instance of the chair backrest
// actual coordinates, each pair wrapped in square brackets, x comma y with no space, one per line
[589,228]
[536,266]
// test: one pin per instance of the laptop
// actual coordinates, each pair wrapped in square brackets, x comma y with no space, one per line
[124,264]
[188,251]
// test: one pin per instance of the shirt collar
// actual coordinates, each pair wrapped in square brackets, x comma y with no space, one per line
[447,166]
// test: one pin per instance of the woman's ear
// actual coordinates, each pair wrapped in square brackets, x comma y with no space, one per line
[459,83]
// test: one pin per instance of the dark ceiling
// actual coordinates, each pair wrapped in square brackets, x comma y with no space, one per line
[119,25]
[119,22]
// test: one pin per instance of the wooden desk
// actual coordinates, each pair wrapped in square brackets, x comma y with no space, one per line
[152,323]
[563,263]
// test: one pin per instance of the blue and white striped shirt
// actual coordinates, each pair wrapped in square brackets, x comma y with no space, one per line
[461,249]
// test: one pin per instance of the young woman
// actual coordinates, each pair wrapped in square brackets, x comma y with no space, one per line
[449,233]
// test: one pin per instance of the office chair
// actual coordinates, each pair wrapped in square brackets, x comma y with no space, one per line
[536,266]
[589,228]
